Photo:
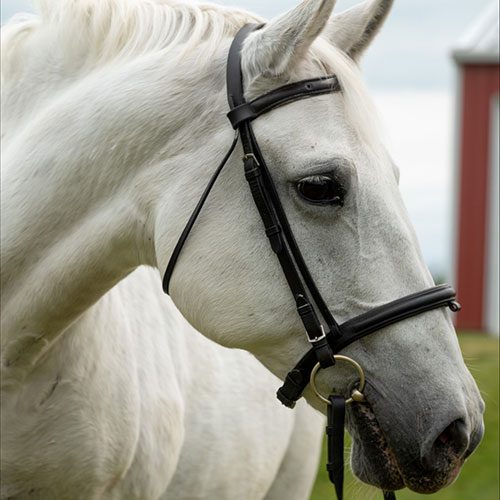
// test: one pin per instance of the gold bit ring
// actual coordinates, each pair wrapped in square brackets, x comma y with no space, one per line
[356,395]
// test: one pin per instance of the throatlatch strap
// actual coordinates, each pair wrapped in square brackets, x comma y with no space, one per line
[335,443]
[182,240]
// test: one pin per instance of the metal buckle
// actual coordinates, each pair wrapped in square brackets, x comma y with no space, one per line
[247,156]
[321,337]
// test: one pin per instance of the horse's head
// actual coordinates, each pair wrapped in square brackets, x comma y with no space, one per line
[339,189]
[116,186]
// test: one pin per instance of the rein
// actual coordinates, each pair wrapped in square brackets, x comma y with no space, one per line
[326,336]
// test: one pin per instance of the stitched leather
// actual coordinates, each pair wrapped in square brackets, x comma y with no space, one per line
[395,311]
[363,325]
[248,111]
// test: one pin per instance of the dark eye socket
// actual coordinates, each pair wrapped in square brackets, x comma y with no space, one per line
[321,190]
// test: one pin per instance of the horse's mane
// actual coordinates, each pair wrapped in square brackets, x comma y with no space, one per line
[101,31]
[111,29]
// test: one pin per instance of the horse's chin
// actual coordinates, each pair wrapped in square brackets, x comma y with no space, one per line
[375,463]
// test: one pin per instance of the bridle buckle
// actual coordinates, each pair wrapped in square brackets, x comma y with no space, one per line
[320,338]
[251,156]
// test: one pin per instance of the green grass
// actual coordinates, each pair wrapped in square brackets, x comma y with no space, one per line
[479,478]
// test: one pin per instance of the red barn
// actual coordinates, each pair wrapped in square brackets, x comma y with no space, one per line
[477,176]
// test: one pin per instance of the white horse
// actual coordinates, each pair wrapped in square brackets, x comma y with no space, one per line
[113,121]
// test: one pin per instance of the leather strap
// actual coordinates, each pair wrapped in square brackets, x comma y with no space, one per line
[335,415]
[335,443]
[234,78]
[251,149]
[300,263]
[361,326]
[269,206]
[187,229]
[273,230]
[249,111]
[396,311]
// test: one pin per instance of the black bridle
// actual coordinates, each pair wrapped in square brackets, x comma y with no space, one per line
[326,336]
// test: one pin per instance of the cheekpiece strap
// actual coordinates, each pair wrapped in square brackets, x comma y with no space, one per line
[310,304]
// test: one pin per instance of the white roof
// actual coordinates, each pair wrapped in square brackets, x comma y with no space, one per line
[481,42]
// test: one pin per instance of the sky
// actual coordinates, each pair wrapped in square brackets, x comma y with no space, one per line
[412,79]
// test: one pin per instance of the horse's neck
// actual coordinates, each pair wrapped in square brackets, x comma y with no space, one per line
[80,188]
[133,328]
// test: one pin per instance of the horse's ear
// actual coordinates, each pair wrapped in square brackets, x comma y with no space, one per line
[353,30]
[274,49]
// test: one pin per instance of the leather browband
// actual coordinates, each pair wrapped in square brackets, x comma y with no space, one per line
[248,111]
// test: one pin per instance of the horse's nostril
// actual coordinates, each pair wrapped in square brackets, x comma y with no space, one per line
[447,435]
[455,436]
[451,444]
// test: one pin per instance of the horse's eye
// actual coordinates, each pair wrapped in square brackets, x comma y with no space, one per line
[321,190]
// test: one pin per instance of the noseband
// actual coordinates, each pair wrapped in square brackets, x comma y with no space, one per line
[326,336]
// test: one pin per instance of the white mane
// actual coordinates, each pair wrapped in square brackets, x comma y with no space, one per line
[105,31]
[110,29]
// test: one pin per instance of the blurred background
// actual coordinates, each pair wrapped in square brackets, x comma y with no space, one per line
[433,73]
